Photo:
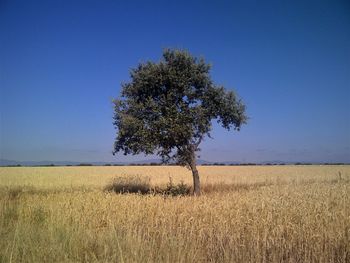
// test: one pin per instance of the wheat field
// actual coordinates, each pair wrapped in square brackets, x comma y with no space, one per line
[246,214]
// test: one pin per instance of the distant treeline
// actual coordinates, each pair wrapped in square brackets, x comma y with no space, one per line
[173,164]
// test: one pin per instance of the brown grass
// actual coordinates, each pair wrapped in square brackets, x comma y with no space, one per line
[251,214]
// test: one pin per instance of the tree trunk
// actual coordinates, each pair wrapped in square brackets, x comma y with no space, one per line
[195,174]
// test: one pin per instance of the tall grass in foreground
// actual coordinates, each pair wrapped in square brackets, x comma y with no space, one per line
[284,220]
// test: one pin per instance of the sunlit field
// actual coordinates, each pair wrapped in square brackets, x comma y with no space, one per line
[245,214]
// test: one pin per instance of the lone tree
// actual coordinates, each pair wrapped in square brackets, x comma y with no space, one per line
[167,109]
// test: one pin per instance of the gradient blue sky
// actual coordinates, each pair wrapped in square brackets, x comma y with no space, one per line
[62,63]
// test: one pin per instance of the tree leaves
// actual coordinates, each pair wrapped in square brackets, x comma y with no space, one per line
[167,108]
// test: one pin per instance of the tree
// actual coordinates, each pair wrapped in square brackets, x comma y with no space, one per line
[167,109]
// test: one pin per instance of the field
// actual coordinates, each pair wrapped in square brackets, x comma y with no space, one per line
[246,214]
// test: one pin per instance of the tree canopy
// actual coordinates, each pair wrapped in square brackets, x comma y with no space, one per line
[167,108]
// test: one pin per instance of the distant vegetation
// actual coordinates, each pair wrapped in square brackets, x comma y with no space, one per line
[174,164]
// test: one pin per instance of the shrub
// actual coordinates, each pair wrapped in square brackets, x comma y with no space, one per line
[141,185]
[129,184]
[175,190]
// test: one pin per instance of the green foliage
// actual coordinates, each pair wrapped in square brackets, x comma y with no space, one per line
[167,108]
[176,190]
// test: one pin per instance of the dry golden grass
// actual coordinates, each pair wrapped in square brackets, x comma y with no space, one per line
[247,214]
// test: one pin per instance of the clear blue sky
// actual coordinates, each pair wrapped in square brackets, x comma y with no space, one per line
[62,63]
